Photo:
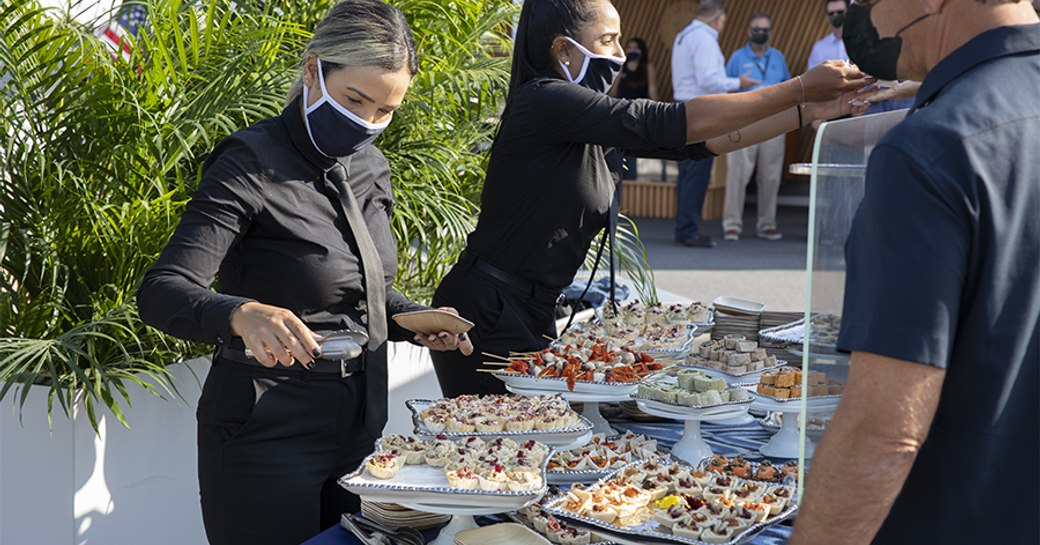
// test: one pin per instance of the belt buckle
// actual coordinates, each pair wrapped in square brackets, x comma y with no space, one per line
[343,373]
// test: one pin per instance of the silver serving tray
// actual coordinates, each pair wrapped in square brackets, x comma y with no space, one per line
[515,517]
[650,531]
[564,476]
[548,437]
[779,364]
[389,491]
[794,334]
[673,353]
[692,407]
[559,385]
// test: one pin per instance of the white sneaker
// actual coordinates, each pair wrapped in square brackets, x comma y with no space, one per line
[770,234]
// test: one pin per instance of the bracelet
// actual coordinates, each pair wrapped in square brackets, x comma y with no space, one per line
[802,85]
[799,108]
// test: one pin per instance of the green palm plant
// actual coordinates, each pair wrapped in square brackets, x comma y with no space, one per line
[101,155]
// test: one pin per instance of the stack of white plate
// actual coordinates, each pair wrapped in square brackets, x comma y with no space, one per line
[392,515]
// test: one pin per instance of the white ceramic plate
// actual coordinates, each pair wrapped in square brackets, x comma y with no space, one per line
[738,305]
[814,404]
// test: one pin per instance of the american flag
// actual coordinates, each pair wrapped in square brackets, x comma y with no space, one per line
[130,19]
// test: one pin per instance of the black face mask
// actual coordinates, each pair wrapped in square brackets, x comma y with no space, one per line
[759,39]
[837,20]
[873,54]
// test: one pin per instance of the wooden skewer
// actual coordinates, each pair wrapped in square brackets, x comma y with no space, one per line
[496,363]
[548,337]
[496,356]
[488,371]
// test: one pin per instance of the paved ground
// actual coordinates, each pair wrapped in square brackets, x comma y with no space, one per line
[770,272]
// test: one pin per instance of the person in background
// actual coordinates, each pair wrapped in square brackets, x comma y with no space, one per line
[638,79]
[831,47]
[698,69]
[937,434]
[292,217]
[768,65]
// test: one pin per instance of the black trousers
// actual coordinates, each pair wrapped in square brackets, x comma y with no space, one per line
[504,321]
[272,443]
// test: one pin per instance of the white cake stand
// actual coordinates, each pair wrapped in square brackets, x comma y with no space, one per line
[786,441]
[461,518]
[692,447]
[590,401]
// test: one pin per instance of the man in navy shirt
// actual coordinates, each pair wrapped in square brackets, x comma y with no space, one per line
[936,439]
[767,65]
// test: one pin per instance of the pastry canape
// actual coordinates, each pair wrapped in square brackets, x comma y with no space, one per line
[575,536]
[438,452]
[383,466]
[462,477]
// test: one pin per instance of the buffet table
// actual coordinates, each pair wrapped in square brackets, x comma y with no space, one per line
[726,440]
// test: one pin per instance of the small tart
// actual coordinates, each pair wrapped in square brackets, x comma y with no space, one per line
[383,465]
[462,478]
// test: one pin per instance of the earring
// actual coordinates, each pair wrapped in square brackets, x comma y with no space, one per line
[566,63]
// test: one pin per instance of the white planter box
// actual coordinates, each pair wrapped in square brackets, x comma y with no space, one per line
[69,486]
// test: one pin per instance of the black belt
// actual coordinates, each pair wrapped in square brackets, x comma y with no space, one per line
[507,279]
[336,368]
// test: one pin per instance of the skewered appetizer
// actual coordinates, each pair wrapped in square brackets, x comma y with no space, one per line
[497,413]
[601,362]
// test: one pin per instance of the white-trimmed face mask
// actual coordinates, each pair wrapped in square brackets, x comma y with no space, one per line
[334,130]
[598,72]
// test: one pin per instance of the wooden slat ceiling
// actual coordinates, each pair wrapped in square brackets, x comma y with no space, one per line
[797,25]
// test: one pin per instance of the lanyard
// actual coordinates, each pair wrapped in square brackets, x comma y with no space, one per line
[760,69]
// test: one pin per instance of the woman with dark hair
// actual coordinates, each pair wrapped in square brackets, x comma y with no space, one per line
[292,216]
[638,79]
[552,177]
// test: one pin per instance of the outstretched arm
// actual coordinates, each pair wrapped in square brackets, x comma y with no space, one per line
[711,116]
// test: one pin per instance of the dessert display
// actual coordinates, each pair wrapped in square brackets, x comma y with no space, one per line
[786,383]
[679,502]
[733,355]
[691,388]
[499,465]
[499,413]
[605,453]
[585,362]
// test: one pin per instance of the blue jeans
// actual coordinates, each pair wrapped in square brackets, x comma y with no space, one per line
[690,189]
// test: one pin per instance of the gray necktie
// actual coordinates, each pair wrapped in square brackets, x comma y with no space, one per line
[371,265]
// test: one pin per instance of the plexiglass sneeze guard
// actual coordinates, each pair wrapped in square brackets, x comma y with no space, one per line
[837,173]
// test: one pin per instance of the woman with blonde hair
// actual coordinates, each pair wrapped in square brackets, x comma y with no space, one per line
[292,217]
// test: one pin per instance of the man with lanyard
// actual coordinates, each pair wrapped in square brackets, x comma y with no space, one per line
[699,68]
[767,65]
[936,436]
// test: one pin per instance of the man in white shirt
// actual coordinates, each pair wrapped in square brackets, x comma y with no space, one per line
[831,47]
[699,68]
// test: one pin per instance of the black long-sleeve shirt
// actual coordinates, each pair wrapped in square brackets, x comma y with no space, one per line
[267,225]
[553,172]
